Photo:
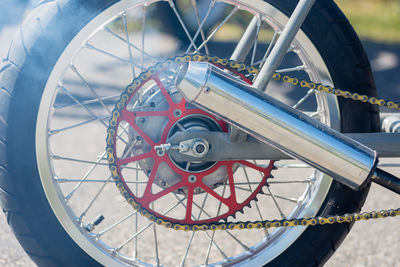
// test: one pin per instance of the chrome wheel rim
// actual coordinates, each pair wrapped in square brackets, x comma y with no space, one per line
[48,158]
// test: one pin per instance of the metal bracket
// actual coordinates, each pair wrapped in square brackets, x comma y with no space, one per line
[221,147]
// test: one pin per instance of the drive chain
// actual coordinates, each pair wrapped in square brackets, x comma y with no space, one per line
[249,72]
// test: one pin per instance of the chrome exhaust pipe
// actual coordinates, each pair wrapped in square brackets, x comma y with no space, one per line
[273,122]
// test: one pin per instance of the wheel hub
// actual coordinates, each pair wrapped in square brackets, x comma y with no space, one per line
[194,147]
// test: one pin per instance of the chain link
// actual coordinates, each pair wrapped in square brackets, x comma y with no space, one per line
[247,71]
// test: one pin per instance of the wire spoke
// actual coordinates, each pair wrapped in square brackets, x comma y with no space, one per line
[314,115]
[129,44]
[276,203]
[78,160]
[87,102]
[112,226]
[212,3]
[57,131]
[131,159]
[213,233]
[66,91]
[218,27]
[255,42]
[207,234]
[153,58]
[209,249]
[306,181]
[203,37]
[268,194]
[187,250]
[86,108]
[192,236]
[178,16]
[83,214]
[92,47]
[75,70]
[97,162]
[69,180]
[270,46]
[146,227]
[143,35]
[257,206]
[84,178]
[87,161]
[155,240]
[304,98]
[297,68]
[227,231]
[135,243]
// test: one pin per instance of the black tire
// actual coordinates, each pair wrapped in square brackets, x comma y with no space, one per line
[24,73]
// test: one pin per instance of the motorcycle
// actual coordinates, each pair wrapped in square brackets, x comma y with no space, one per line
[125,142]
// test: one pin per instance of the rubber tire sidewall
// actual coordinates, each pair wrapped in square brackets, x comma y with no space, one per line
[348,65]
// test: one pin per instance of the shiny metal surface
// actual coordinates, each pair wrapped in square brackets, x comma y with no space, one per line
[387,180]
[278,124]
[282,45]
[391,124]
[245,44]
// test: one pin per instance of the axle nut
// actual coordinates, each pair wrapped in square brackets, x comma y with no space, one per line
[192,179]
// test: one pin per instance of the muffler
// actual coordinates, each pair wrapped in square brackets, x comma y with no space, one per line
[273,122]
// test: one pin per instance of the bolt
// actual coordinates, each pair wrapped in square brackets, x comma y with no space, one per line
[160,153]
[192,179]
[177,113]
[207,89]
[200,148]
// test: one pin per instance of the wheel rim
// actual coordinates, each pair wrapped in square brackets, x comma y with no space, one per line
[53,160]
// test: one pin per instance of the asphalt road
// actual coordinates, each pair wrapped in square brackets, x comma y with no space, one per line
[370,243]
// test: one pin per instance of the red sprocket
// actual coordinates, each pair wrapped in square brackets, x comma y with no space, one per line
[164,187]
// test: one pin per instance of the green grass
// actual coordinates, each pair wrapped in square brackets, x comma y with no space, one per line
[374,20]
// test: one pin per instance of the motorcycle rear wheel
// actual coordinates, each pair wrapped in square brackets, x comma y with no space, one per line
[32,79]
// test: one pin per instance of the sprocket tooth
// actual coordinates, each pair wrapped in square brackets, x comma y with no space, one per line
[274,168]
[271,176]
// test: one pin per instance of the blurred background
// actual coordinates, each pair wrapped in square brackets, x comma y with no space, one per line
[374,20]
[377,22]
